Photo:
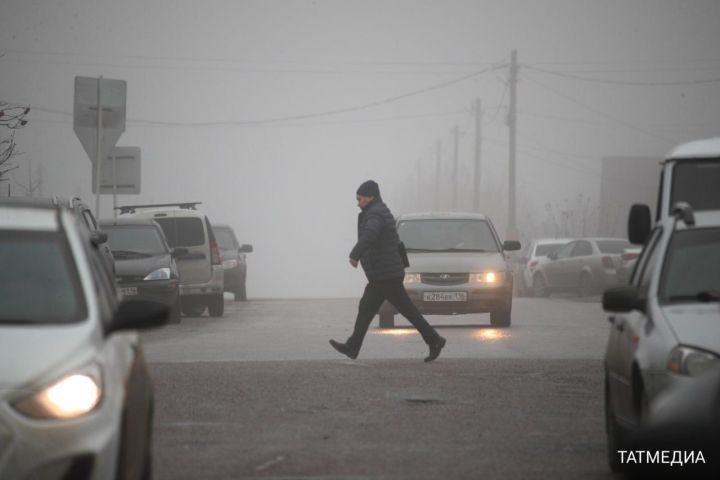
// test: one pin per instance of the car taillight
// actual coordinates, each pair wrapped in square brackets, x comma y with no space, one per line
[215,253]
[607,262]
[533,264]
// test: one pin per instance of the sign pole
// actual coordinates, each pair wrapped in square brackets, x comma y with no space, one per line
[99,157]
[114,160]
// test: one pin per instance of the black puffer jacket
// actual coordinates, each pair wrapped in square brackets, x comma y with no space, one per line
[377,246]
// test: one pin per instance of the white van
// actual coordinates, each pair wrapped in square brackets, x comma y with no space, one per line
[690,174]
[190,234]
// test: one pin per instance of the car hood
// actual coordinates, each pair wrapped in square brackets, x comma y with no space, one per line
[696,324]
[141,266]
[455,262]
[33,354]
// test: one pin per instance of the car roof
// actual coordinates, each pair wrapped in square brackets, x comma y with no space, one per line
[221,226]
[43,202]
[128,220]
[164,213]
[544,241]
[706,148]
[442,216]
[20,216]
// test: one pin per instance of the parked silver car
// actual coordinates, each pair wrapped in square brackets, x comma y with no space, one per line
[536,254]
[665,326]
[584,266]
[76,401]
[457,265]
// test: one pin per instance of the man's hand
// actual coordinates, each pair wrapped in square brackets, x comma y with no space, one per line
[353,262]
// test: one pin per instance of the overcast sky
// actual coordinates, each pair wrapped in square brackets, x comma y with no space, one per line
[200,73]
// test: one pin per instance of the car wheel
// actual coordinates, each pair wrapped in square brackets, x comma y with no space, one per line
[539,287]
[192,307]
[241,293]
[502,317]
[216,306]
[387,320]
[585,287]
[616,435]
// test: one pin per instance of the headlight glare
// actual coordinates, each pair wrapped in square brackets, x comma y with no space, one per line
[412,278]
[159,274]
[487,278]
[692,362]
[70,397]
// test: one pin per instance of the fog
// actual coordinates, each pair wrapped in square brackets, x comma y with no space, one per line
[204,78]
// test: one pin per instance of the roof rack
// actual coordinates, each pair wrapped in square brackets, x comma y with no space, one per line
[683,210]
[183,205]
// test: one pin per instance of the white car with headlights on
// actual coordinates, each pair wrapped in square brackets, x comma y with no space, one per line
[458,265]
[665,325]
[76,400]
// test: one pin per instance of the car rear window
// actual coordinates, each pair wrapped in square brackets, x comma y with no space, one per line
[183,231]
[225,238]
[613,247]
[39,283]
[696,182]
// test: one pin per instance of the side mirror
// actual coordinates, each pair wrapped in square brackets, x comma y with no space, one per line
[639,223]
[179,252]
[622,300]
[511,245]
[138,315]
[246,248]
[98,237]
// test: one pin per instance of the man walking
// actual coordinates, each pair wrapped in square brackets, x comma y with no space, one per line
[377,250]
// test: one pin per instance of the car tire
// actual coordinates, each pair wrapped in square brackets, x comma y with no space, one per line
[241,293]
[387,320]
[539,287]
[216,306]
[585,286]
[502,317]
[616,435]
[192,307]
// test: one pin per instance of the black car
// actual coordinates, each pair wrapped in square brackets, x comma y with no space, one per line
[145,265]
[233,258]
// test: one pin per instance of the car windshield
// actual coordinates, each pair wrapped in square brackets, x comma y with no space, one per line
[38,265]
[225,238]
[696,182]
[613,247]
[691,270]
[546,248]
[442,235]
[134,240]
[183,232]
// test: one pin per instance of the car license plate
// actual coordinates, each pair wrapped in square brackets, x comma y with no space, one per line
[445,296]
[128,291]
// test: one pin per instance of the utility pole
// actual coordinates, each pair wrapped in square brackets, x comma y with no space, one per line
[512,233]
[420,198]
[438,173]
[478,139]
[455,182]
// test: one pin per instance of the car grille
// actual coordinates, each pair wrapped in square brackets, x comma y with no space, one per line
[441,279]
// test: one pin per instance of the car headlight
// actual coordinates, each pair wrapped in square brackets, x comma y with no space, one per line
[412,278]
[70,397]
[488,278]
[232,263]
[690,361]
[159,274]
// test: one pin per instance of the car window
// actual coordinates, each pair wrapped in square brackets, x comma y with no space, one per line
[183,231]
[89,219]
[38,265]
[447,235]
[565,251]
[696,182]
[582,248]
[134,239]
[547,248]
[613,247]
[226,239]
[692,266]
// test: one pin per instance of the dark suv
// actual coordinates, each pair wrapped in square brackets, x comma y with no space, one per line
[233,258]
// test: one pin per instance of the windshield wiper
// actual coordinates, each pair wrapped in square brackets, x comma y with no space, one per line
[129,253]
[704,296]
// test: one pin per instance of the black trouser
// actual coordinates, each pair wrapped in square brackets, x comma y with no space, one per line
[394,292]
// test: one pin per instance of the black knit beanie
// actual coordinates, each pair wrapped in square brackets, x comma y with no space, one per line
[369,189]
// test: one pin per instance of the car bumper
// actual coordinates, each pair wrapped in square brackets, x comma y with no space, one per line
[479,299]
[160,291]
[48,450]
[213,287]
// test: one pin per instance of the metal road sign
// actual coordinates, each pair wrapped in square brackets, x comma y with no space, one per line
[85,113]
[120,172]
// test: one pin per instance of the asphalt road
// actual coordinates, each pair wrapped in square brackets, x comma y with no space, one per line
[261,394]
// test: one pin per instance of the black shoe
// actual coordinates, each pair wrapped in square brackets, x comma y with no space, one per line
[345,349]
[435,349]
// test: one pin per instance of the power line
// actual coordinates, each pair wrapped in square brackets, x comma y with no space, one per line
[610,81]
